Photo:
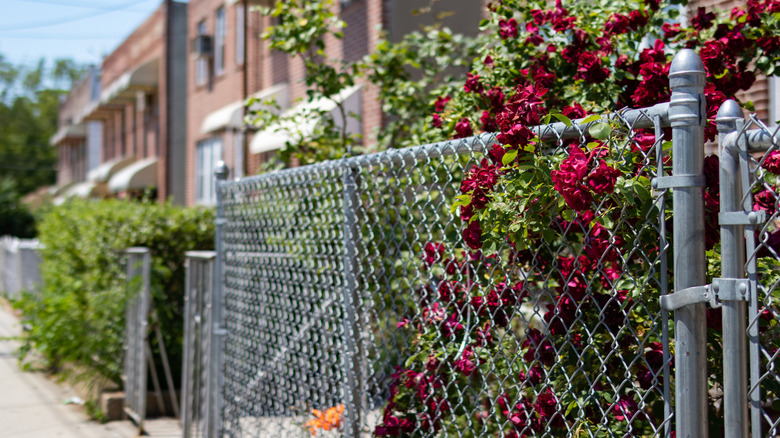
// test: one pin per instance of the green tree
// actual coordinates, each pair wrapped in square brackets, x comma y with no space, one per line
[29,103]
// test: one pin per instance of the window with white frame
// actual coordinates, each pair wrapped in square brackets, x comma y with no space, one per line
[220,30]
[240,34]
[201,62]
[209,152]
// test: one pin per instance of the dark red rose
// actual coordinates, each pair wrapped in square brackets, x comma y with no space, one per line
[436,121]
[616,24]
[463,128]
[472,84]
[711,55]
[472,235]
[703,19]
[603,178]
[671,30]
[637,20]
[765,200]
[507,28]
[772,162]
[440,103]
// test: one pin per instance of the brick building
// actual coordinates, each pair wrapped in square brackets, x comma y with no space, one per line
[78,141]
[141,107]
[229,63]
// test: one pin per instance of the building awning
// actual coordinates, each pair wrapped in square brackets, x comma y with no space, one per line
[275,136]
[61,189]
[137,176]
[124,88]
[104,171]
[232,116]
[68,132]
[86,189]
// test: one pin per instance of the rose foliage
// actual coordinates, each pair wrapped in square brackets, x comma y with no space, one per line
[546,322]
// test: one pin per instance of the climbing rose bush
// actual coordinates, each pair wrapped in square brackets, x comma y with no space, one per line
[545,322]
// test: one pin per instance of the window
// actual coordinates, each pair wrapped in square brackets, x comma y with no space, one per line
[209,152]
[220,30]
[239,34]
[201,62]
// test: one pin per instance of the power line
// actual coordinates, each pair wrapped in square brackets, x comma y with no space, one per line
[70,19]
[59,37]
[84,6]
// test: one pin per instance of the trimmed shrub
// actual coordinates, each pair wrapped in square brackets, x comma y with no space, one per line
[79,315]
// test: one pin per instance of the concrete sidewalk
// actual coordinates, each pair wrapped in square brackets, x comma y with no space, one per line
[31,405]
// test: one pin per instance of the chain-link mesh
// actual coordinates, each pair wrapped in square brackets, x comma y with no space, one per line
[761,168]
[354,306]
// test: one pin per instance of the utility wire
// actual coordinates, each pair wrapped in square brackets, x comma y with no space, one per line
[59,37]
[102,6]
[61,20]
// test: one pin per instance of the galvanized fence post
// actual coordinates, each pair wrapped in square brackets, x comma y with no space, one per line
[732,266]
[687,114]
[137,355]
[216,343]
[351,330]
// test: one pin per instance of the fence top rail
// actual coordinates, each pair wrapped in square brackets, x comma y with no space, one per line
[753,140]
[137,250]
[633,118]
[204,255]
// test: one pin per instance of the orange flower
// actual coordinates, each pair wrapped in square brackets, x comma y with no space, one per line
[331,419]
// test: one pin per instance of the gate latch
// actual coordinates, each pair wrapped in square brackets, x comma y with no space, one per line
[721,289]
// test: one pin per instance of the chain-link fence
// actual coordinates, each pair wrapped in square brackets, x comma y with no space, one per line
[342,278]
[370,296]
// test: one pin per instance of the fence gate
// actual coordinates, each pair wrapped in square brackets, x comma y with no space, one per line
[750,271]
[140,318]
[198,406]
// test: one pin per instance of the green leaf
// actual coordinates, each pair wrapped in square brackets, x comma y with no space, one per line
[509,156]
[566,121]
[591,118]
[600,131]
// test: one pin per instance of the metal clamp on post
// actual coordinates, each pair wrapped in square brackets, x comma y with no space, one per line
[721,289]
[742,217]
[678,181]
[732,289]
[688,296]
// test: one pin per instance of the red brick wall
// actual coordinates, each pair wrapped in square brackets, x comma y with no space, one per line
[222,89]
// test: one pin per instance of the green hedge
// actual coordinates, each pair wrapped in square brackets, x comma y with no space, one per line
[79,315]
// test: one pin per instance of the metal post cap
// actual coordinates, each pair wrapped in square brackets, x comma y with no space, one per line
[730,110]
[221,170]
[686,61]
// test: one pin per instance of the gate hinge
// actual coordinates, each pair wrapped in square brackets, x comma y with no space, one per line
[721,289]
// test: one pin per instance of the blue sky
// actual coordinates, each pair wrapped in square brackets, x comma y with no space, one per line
[84,30]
